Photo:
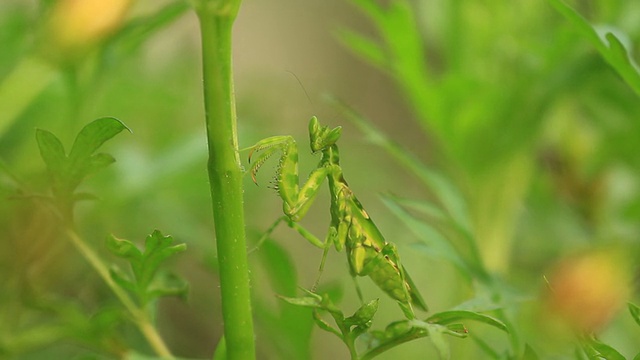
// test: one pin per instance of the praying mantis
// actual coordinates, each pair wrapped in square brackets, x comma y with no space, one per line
[351,228]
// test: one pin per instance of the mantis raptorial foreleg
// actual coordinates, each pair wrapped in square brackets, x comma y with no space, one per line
[296,200]
[369,254]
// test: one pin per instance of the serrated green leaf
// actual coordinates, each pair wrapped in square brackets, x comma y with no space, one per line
[123,248]
[52,151]
[155,241]
[93,135]
[81,163]
[160,247]
[147,283]
[157,249]
[69,171]
[448,317]
[635,312]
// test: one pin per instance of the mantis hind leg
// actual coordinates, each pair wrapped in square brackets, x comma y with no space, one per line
[301,230]
[325,252]
[357,286]
[267,234]
[324,245]
[307,235]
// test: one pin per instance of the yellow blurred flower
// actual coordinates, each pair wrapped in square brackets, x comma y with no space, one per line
[75,26]
[587,290]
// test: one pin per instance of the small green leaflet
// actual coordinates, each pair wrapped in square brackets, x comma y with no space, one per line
[147,282]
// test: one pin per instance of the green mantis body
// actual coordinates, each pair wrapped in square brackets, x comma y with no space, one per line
[351,227]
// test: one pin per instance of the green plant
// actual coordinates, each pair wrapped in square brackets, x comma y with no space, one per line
[67,171]
[367,251]
[490,136]
[519,229]
[225,174]
[351,227]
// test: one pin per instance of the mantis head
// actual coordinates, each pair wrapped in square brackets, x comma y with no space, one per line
[321,137]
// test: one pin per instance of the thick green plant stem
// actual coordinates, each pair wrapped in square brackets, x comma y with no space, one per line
[225,175]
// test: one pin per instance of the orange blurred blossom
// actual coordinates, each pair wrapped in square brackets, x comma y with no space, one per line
[587,290]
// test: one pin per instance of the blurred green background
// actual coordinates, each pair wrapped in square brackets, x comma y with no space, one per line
[534,137]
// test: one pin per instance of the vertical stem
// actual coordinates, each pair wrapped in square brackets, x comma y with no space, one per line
[225,175]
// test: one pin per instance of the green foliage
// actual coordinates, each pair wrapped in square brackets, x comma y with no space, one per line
[287,327]
[495,115]
[348,328]
[607,44]
[596,350]
[68,170]
[50,307]
[529,154]
[55,320]
[453,316]
[444,227]
[146,282]
[375,342]
[351,227]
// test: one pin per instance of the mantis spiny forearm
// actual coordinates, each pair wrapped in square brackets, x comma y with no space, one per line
[351,227]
